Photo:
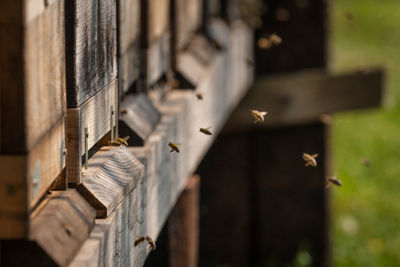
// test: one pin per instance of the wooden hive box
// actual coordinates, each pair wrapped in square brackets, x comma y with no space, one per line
[155,40]
[32,109]
[91,49]
[128,43]
[188,19]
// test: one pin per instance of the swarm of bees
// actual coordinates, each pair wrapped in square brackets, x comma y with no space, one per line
[174,147]
[150,242]
[120,141]
[258,115]
[310,159]
[206,131]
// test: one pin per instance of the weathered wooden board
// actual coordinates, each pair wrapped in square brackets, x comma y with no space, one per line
[91,48]
[183,227]
[138,119]
[25,178]
[188,19]
[95,115]
[32,67]
[128,43]
[302,97]
[111,175]
[157,58]
[166,174]
[157,16]
[58,228]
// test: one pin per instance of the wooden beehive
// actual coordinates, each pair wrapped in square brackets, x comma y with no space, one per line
[32,109]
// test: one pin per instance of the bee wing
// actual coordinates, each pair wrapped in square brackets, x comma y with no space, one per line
[314,155]
[263,113]
[126,138]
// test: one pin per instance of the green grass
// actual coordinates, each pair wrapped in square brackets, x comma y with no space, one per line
[366,210]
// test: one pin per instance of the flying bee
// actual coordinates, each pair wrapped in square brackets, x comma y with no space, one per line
[114,143]
[264,43]
[67,229]
[310,159]
[174,147]
[123,111]
[206,130]
[199,96]
[124,140]
[275,39]
[139,240]
[333,181]
[152,245]
[365,162]
[258,115]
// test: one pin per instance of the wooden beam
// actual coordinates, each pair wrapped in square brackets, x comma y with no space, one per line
[111,175]
[188,19]
[32,67]
[166,173]
[183,227]
[298,98]
[138,119]
[95,115]
[58,228]
[128,43]
[91,48]
[25,178]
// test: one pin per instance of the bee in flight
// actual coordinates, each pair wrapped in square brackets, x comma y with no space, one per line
[366,162]
[120,141]
[310,159]
[258,115]
[199,96]
[333,181]
[206,130]
[174,147]
[275,39]
[139,240]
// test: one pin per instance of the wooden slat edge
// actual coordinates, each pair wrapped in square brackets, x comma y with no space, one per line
[61,225]
[111,175]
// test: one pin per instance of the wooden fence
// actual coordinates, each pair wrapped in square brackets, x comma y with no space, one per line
[76,75]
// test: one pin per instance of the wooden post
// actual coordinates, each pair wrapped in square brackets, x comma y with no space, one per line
[183,227]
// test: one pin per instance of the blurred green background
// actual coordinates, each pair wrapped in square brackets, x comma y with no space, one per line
[366,209]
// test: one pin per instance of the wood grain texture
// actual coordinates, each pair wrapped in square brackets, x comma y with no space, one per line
[183,227]
[303,97]
[188,18]
[128,42]
[25,178]
[61,224]
[95,115]
[146,208]
[32,84]
[111,175]
[91,48]
[140,119]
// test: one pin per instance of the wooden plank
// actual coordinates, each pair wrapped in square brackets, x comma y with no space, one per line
[128,42]
[32,84]
[166,174]
[302,97]
[58,228]
[91,48]
[183,227]
[111,175]
[26,178]
[157,15]
[139,118]
[95,115]
[188,19]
